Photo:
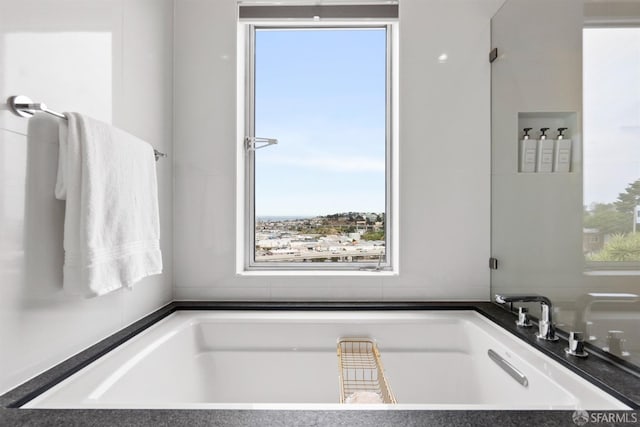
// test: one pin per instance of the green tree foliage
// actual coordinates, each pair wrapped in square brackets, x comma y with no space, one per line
[608,219]
[616,217]
[620,247]
[628,200]
[373,235]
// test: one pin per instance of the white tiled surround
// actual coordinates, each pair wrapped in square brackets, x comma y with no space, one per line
[444,160]
[110,59]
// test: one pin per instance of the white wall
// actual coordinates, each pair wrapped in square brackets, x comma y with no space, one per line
[444,160]
[110,59]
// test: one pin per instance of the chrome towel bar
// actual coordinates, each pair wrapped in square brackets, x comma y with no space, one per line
[23,106]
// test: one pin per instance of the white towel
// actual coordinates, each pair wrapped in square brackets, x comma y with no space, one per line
[111,225]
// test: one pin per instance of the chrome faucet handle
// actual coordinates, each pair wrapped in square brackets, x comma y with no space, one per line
[576,345]
[523,318]
[546,330]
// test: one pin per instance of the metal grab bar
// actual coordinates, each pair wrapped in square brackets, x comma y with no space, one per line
[23,106]
[509,368]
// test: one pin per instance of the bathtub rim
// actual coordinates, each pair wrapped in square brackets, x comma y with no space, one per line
[609,373]
[475,335]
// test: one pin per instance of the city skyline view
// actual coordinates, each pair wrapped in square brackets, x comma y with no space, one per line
[339,237]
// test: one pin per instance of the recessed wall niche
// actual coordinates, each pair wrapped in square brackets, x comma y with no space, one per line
[541,149]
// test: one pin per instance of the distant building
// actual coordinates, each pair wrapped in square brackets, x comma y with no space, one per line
[355,236]
[592,240]
[273,243]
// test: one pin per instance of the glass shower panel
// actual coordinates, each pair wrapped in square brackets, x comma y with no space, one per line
[546,229]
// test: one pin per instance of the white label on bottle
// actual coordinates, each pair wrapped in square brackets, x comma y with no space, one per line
[530,155]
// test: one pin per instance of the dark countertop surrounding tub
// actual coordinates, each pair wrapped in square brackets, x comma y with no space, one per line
[611,374]
[350,418]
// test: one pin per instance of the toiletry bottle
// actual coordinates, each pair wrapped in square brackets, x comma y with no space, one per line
[545,152]
[562,154]
[528,150]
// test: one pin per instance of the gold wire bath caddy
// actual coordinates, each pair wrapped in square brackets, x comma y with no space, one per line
[360,370]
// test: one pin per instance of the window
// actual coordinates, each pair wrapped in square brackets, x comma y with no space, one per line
[611,66]
[319,146]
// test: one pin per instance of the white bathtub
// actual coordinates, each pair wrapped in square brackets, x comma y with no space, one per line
[287,360]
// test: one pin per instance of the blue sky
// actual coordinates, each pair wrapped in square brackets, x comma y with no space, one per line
[322,94]
[611,66]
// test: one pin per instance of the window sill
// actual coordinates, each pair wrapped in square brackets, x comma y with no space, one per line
[620,273]
[308,273]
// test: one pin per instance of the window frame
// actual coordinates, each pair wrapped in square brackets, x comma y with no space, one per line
[605,268]
[246,220]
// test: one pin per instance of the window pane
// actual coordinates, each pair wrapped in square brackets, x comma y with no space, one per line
[612,144]
[320,193]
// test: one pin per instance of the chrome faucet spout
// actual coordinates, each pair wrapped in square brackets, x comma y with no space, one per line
[584,303]
[502,299]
